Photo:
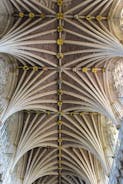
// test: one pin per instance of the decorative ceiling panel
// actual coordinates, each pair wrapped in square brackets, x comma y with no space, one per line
[63,50]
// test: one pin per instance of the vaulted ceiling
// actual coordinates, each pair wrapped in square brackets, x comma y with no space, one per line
[60,106]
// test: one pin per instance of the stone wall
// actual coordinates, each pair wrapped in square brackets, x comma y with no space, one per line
[116,176]
[10,133]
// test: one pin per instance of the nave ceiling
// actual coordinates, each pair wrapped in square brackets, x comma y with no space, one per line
[61,91]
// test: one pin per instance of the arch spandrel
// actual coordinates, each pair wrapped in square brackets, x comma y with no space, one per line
[8,76]
[118,80]
[116,19]
[113,86]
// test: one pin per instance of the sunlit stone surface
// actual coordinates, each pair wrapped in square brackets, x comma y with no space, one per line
[4,80]
[8,139]
[118,80]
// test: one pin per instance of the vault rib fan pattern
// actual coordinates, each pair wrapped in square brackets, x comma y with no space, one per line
[60,52]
